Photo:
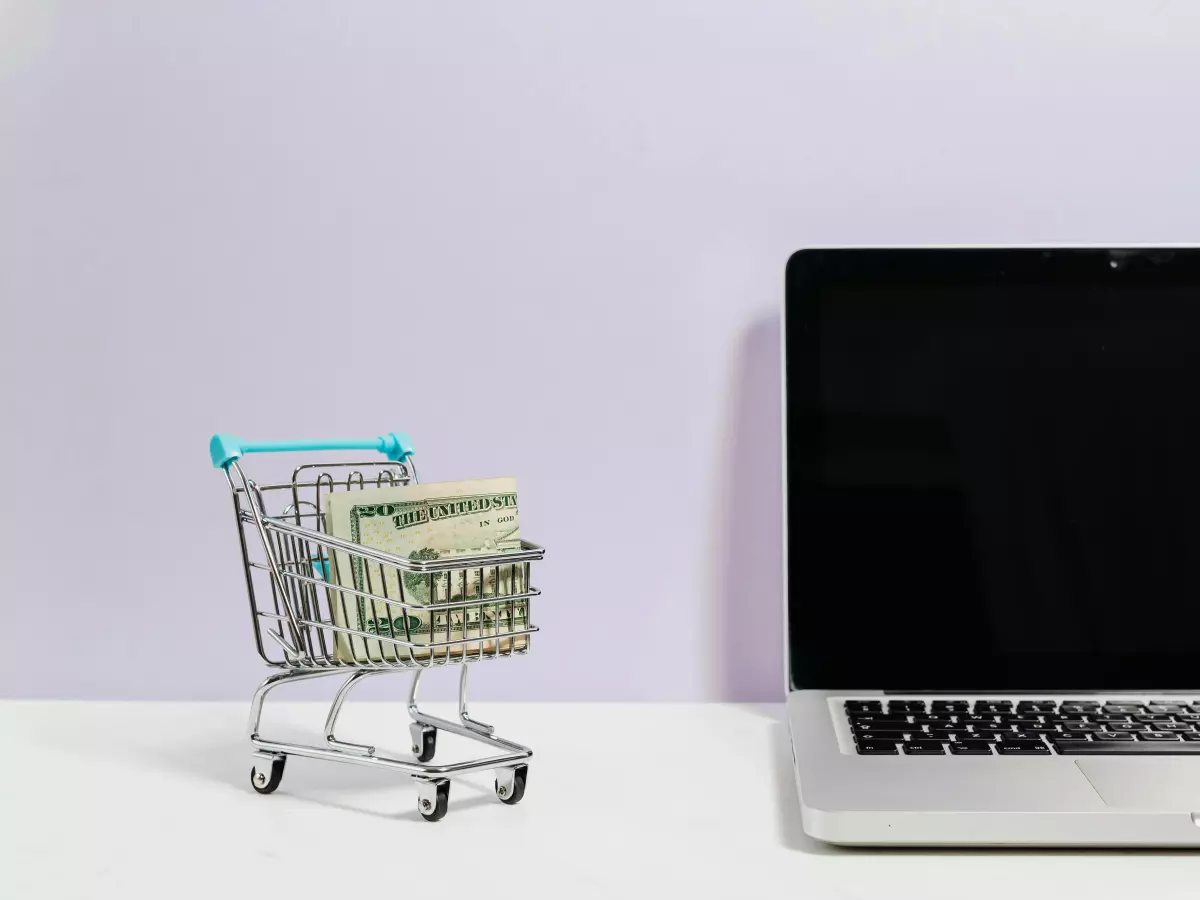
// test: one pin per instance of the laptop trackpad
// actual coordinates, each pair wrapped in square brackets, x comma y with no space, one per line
[1168,783]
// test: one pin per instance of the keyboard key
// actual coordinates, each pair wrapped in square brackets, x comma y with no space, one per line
[1109,718]
[879,748]
[880,736]
[864,706]
[1128,726]
[971,748]
[1157,736]
[1041,706]
[1061,719]
[1171,726]
[1021,737]
[911,706]
[977,720]
[1152,718]
[988,735]
[943,719]
[950,706]
[990,706]
[1069,737]
[1012,721]
[1082,726]
[1191,735]
[945,732]
[879,718]
[1077,706]
[1165,708]
[1132,748]
[1111,737]
[1040,729]
[1122,709]
[1021,723]
[1188,717]
[1023,749]
[924,748]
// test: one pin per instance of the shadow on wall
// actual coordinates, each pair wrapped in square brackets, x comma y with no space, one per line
[749,614]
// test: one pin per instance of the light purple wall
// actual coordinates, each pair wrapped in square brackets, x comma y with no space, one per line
[560,231]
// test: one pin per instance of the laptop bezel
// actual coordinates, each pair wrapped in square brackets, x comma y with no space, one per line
[798,267]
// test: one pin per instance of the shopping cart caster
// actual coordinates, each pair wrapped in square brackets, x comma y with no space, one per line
[266,783]
[510,784]
[433,798]
[424,738]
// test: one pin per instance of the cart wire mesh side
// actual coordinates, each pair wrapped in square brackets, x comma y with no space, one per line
[308,622]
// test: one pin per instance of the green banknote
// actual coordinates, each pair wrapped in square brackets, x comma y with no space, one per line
[426,522]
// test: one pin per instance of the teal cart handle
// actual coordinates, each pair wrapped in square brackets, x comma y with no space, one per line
[225,448]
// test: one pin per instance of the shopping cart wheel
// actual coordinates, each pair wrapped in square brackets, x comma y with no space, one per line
[424,741]
[510,784]
[264,783]
[433,798]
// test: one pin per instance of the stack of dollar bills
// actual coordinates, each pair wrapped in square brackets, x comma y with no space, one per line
[426,522]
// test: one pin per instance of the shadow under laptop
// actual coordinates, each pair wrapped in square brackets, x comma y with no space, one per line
[747,603]
[787,811]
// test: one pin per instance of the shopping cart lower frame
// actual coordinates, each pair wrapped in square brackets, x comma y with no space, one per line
[300,614]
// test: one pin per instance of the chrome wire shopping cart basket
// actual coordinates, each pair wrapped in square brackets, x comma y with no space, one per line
[304,614]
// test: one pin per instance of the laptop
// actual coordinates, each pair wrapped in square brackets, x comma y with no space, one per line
[992,544]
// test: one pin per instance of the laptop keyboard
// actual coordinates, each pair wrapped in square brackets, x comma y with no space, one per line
[1024,728]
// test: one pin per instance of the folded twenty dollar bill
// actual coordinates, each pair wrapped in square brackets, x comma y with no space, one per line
[426,522]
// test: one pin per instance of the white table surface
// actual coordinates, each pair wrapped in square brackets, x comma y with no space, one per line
[138,800]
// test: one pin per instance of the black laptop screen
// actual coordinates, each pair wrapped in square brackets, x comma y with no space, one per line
[993,469]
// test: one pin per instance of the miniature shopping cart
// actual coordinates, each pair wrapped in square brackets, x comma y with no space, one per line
[305,614]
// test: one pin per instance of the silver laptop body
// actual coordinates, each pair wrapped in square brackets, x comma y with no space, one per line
[992,538]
